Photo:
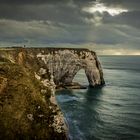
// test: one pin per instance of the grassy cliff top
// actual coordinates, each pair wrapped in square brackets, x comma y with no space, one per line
[25,111]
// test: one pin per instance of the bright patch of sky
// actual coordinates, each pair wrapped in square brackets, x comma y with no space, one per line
[101,8]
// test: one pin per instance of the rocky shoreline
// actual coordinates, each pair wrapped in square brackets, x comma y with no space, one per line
[28,80]
[73,85]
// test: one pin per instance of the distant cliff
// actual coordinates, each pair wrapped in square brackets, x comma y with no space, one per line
[62,63]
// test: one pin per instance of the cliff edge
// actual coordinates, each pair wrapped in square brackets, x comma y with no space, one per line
[62,63]
[28,79]
[26,109]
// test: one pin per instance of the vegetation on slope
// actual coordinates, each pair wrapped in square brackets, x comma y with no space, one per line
[25,109]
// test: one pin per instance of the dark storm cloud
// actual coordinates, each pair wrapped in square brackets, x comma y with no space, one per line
[31,1]
[65,21]
[43,1]
[131,18]
[63,12]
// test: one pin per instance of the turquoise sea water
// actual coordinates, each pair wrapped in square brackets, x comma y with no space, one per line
[108,113]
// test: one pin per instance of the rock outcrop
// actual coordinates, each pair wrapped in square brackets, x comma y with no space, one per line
[62,63]
[28,78]
[26,109]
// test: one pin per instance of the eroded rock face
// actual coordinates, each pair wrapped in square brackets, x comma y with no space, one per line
[26,111]
[30,76]
[63,64]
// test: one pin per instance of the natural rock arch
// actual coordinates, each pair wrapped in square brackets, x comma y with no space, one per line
[65,63]
[81,78]
[62,63]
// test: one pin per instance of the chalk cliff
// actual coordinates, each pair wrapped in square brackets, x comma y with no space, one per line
[62,63]
[28,78]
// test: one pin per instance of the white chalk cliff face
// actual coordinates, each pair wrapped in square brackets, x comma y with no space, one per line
[64,64]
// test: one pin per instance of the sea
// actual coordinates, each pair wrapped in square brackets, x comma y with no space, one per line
[111,112]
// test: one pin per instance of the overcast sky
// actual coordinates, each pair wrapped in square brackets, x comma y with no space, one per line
[106,26]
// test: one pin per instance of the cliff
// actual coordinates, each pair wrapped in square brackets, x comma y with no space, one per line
[62,63]
[27,107]
[28,78]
